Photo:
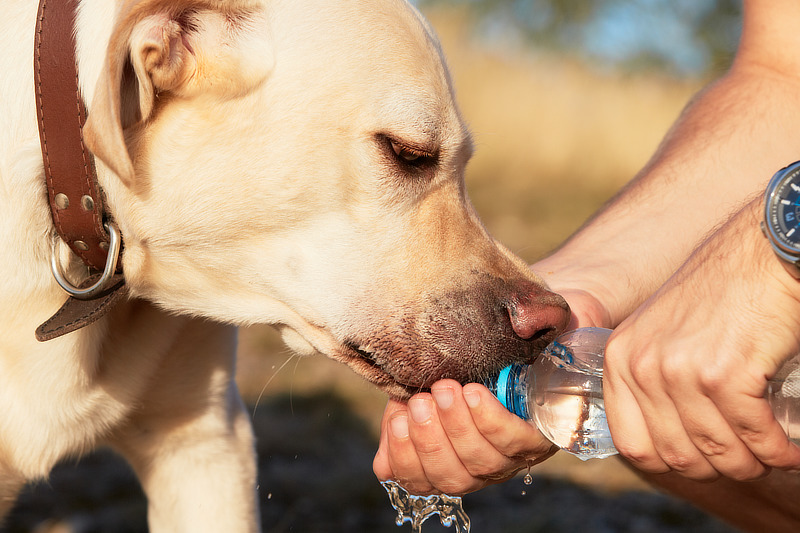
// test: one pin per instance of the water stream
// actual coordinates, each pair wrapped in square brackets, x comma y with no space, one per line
[417,509]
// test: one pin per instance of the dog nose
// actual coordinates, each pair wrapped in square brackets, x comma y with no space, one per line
[541,316]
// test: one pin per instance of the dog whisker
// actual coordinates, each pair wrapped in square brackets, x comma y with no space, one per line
[274,374]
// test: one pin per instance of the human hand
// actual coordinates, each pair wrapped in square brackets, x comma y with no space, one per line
[685,374]
[455,440]
[458,439]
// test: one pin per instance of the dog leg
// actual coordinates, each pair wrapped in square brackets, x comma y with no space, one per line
[191,442]
[10,485]
[199,479]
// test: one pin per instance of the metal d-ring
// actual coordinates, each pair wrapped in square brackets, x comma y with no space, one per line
[108,272]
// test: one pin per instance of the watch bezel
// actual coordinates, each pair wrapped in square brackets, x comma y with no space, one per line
[782,247]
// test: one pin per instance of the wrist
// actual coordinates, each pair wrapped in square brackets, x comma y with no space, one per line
[780,286]
[782,273]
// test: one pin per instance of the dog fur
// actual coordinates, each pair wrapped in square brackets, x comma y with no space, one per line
[293,162]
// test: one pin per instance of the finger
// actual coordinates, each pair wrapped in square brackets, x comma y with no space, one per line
[443,468]
[506,432]
[480,458]
[404,461]
[380,463]
[670,438]
[628,428]
[753,422]
[716,440]
[644,421]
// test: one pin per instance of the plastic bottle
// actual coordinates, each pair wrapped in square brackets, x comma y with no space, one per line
[562,394]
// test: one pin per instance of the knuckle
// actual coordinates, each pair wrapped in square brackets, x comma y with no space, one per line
[492,430]
[429,448]
[529,449]
[615,350]
[503,438]
[690,466]
[713,379]
[673,371]
[494,470]
[643,368]
[459,433]
[679,462]
[751,473]
[751,435]
[642,458]
[710,447]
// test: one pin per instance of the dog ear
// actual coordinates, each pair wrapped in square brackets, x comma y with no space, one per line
[172,48]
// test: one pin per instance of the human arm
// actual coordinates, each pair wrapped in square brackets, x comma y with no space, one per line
[722,151]
[723,148]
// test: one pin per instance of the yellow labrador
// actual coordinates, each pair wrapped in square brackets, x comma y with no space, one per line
[293,162]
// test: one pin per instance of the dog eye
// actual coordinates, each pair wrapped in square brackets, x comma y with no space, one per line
[410,155]
[405,153]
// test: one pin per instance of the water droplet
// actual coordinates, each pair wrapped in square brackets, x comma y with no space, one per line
[528,479]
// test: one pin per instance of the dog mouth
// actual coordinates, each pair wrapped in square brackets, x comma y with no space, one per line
[307,338]
[466,335]
[401,376]
[364,363]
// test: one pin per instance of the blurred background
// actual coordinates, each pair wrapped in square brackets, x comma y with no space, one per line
[567,99]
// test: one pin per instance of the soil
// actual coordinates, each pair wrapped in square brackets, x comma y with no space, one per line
[315,476]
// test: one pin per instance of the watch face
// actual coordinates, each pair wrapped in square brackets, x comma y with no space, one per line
[783,208]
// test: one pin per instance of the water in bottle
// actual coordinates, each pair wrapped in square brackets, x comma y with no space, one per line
[562,393]
[783,394]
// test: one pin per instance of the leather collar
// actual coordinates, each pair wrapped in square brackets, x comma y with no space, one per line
[76,200]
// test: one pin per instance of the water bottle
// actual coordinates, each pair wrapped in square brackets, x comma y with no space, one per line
[562,394]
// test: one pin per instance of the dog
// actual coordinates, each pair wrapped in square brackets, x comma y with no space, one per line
[292,162]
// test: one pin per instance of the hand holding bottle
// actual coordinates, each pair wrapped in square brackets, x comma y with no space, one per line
[685,374]
[458,439]
[454,440]
[562,394]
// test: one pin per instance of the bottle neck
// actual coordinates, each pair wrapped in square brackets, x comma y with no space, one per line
[511,388]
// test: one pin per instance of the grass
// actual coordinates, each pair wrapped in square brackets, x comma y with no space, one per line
[555,138]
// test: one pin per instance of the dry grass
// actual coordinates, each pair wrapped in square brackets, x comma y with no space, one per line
[554,141]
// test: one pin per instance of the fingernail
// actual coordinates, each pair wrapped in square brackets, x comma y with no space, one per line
[472,397]
[443,397]
[420,409]
[399,426]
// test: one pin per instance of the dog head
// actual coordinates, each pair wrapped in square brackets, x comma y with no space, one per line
[301,163]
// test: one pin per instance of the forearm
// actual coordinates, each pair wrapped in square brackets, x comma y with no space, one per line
[723,149]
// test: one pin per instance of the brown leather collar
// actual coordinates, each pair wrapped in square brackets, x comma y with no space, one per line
[76,200]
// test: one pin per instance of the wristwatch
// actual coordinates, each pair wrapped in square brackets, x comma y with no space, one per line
[781,223]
